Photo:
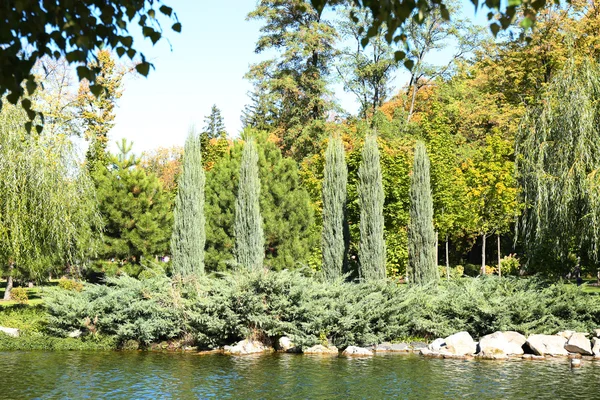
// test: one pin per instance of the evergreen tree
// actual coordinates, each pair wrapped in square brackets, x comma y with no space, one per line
[371,197]
[249,236]
[214,127]
[187,242]
[136,209]
[334,239]
[288,216]
[421,235]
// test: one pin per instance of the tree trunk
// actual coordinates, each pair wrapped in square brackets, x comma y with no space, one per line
[483,255]
[499,269]
[447,260]
[436,249]
[9,282]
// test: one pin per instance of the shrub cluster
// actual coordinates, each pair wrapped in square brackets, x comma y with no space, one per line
[218,311]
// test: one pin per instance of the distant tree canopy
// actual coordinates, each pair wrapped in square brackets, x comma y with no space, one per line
[76,30]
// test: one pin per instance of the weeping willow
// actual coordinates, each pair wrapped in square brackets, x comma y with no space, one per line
[48,212]
[558,161]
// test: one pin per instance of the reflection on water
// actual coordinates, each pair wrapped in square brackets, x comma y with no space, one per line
[142,375]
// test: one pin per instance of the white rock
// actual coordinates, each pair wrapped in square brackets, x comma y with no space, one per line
[494,345]
[14,332]
[578,343]
[75,334]
[547,344]
[437,345]
[597,333]
[596,346]
[515,342]
[320,349]
[460,344]
[285,343]
[356,351]
[246,347]
[566,334]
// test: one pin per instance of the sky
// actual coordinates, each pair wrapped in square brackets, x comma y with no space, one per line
[201,66]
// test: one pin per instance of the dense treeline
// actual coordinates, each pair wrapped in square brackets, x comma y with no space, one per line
[479,119]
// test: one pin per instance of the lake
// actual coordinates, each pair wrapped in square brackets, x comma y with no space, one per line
[148,375]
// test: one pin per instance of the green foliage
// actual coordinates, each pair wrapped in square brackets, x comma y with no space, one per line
[137,211]
[70,284]
[214,127]
[371,198]
[510,265]
[19,294]
[421,235]
[558,159]
[334,239]
[219,311]
[289,227]
[248,227]
[125,308]
[48,212]
[189,236]
[78,33]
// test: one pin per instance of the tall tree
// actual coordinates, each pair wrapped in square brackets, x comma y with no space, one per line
[371,198]
[295,81]
[214,127]
[249,235]
[136,209]
[366,71]
[189,236]
[558,159]
[48,212]
[421,235]
[334,241]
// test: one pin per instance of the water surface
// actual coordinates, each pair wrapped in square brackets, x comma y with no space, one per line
[147,375]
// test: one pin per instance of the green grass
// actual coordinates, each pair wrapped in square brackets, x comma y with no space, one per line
[35,294]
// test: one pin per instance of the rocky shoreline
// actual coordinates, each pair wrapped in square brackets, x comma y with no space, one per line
[502,345]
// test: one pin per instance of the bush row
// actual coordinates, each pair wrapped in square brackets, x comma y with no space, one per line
[211,312]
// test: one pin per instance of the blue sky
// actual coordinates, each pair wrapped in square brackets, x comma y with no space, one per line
[203,65]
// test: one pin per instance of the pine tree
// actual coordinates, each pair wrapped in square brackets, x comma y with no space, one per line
[371,197]
[214,127]
[187,242]
[334,239]
[249,236]
[421,235]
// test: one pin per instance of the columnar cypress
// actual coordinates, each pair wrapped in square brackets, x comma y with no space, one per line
[249,236]
[371,197]
[189,236]
[334,241]
[421,235]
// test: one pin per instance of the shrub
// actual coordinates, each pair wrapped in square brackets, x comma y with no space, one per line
[510,265]
[19,294]
[70,284]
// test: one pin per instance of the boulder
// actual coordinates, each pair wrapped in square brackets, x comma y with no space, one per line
[597,333]
[246,346]
[357,351]
[596,346]
[460,344]
[566,334]
[418,345]
[387,346]
[437,345]
[552,345]
[515,342]
[494,346]
[285,344]
[403,347]
[578,343]
[425,352]
[320,349]
[14,332]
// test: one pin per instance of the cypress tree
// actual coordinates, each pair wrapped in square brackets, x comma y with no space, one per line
[249,236]
[334,241]
[370,193]
[421,235]
[187,241]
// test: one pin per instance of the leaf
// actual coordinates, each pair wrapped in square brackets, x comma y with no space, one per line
[495,28]
[409,64]
[176,27]
[120,51]
[143,68]
[166,10]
